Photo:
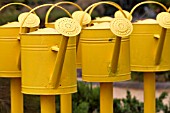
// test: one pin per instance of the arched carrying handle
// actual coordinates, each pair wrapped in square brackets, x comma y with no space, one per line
[58,65]
[3,7]
[148,2]
[163,31]
[93,6]
[60,3]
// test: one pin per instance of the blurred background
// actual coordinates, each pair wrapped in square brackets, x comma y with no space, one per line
[146,11]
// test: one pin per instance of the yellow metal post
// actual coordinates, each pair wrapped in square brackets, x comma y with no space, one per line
[106,97]
[16,96]
[48,104]
[66,103]
[149,92]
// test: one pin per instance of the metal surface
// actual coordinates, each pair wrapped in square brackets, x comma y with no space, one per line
[66,103]
[106,97]
[149,93]
[47,104]
[16,96]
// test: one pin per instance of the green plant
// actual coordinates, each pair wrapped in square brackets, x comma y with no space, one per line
[128,105]
[160,106]
[87,98]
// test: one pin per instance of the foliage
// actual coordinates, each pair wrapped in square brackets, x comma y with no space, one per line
[88,96]
[160,106]
[128,105]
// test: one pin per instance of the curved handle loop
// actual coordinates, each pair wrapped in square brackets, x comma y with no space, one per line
[60,3]
[3,7]
[109,3]
[148,2]
[93,6]
[40,6]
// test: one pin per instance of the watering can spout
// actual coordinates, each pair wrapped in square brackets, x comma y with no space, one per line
[160,46]
[163,20]
[117,30]
[115,57]
[56,75]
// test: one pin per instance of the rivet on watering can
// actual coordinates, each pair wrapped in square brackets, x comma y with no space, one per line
[157,36]
[110,40]
[55,48]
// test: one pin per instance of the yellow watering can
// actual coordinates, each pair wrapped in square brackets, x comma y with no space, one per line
[105,51]
[10,47]
[149,42]
[51,24]
[49,58]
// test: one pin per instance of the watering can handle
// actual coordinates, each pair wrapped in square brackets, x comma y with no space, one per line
[66,2]
[147,2]
[93,6]
[15,4]
[52,7]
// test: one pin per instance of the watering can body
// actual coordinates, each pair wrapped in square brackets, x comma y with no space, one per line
[38,64]
[143,45]
[97,46]
[9,52]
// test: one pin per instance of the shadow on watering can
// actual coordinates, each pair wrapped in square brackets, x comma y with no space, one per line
[150,43]
[51,58]
[10,46]
[105,51]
